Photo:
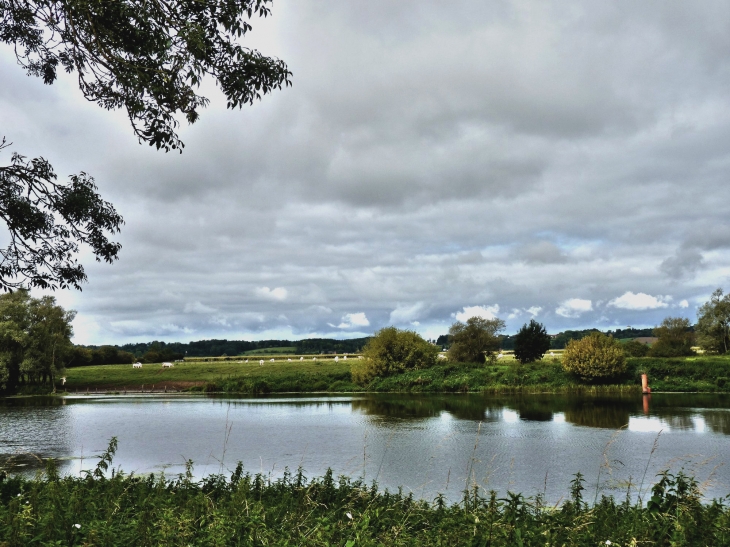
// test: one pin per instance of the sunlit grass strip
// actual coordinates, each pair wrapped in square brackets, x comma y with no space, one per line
[106,509]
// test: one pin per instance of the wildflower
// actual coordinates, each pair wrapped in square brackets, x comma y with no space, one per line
[77,526]
[608,542]
[349,515]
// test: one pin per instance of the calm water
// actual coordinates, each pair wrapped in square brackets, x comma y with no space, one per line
[427,444]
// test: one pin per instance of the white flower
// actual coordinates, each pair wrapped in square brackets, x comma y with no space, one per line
[349,515]
[77,526]
[608,542]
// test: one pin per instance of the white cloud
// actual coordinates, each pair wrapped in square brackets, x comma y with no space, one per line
[683,304]
[573,307]
[197,307]
[278,294]
[406,314]
[534,310]
[350,320]
[485,312]
[640,301]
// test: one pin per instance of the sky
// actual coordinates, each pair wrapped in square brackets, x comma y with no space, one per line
[432,161]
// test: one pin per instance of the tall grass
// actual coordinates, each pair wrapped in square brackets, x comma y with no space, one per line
[105,507]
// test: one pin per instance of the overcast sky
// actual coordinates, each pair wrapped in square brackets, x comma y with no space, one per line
[567,161]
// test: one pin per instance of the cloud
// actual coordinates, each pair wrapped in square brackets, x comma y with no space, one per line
[574,307]
[406,313]
[639,301]
[350,320]
[683,304]
[278,294]
[485,312]
[197,307]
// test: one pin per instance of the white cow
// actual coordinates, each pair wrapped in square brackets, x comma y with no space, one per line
[136,365]
[247,360]
[288,359]
[442,356]
[261,363]
[314,358]
[271,360]
[301,358]
[345,357]
[359,356]
[63,380]
[167,365]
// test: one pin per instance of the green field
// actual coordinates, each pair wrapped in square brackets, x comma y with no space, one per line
[216,375]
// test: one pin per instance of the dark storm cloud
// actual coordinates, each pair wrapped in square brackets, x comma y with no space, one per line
[564,161]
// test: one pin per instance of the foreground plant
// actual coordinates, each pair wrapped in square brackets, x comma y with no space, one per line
[111,508]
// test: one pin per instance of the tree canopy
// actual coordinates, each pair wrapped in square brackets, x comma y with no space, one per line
[473,341]
[675,338]
[147,57]
[35,339]
[713,323]
[531,342]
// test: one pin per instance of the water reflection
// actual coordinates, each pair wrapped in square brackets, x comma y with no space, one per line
[686,412]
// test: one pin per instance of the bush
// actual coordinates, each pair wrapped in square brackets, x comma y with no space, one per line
[595,356]
[636,349]
[392,351]
[531,342]
[675,338]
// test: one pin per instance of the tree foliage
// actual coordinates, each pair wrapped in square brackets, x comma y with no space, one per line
[391,351]
[713,323]
[675,338]
[47,221]
[636,349]
[531,342]
[35,339]
[594,357]
[147,57]
[475,340]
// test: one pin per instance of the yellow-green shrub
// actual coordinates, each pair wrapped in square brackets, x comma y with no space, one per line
[595,356]
[391,351]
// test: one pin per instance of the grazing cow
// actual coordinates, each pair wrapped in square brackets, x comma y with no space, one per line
[500,356]
[261,363]
[552,354]
[359,356]
[271,360]
[314,358]
[288,359]
[336,358]
[345,357]
[442,356]
[301,358]
[167,365]
[137,365]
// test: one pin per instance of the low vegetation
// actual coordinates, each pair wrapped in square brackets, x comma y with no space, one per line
[109,509]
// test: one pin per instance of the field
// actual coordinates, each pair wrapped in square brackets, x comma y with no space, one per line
[218,375]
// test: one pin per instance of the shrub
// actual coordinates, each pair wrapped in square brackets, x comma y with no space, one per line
[636,349]
[595,356]
[391,351]
[531,342]
[475,340]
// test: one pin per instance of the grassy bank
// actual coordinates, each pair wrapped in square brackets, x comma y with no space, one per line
[250,510]
[695,374]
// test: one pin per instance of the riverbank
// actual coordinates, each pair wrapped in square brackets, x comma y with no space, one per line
[246,509]
[692,374]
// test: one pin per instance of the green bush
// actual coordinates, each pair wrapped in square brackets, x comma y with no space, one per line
[594,357]
[392,351]
[636,349]
[475,340]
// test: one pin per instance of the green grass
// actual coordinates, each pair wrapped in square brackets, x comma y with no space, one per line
[271,351]
[110,509]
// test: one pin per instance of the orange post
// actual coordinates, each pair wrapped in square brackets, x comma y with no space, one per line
[645,384]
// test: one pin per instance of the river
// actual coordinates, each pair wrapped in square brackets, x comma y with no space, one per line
[427,444]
